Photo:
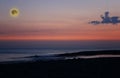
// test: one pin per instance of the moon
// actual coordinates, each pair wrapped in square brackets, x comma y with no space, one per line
[14,12]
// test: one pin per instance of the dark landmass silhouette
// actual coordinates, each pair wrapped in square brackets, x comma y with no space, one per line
[71,68]
[106,19]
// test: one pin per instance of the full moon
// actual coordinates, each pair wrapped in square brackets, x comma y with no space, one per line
[14,12]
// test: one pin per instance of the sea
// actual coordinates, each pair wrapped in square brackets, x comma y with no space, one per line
[25,50]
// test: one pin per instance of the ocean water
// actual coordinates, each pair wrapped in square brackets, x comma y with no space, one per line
[18,50]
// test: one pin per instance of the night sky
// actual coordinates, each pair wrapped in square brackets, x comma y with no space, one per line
[58,20]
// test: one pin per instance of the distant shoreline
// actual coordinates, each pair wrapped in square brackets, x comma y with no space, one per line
[115,52]
[68,56]
[92,54]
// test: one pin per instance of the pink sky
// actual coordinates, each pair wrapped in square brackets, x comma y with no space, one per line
[58,20]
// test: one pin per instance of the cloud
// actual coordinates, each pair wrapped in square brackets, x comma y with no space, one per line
[106,19]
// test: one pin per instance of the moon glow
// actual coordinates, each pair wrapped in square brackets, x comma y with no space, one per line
[14,12]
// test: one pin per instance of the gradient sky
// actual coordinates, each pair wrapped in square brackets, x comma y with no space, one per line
[58,20]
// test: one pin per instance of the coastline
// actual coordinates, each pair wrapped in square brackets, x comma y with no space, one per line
[70,68]
[66,56]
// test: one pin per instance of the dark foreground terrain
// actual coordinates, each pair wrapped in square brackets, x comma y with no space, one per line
[75,68]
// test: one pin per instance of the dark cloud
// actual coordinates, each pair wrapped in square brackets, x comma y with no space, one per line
[106,19]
